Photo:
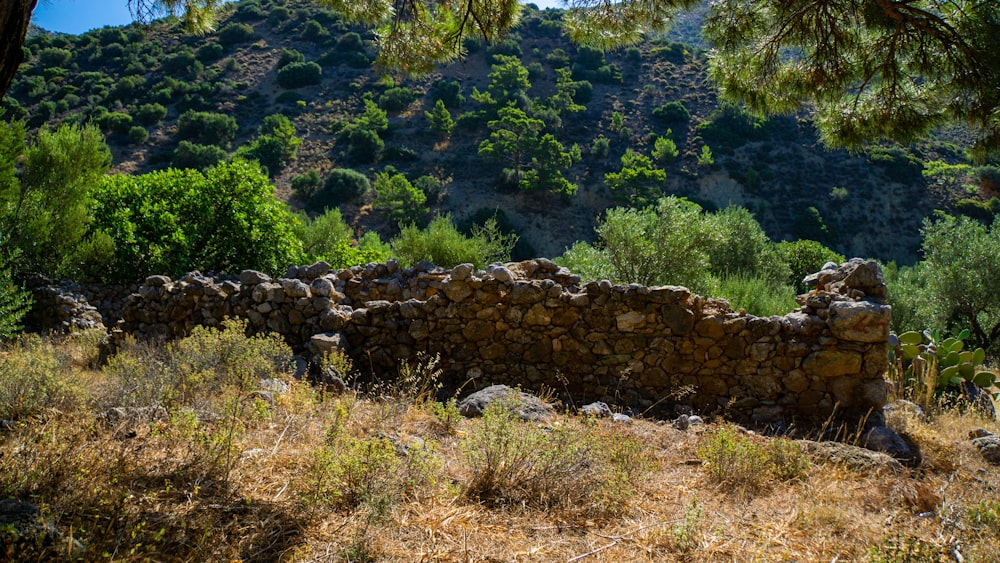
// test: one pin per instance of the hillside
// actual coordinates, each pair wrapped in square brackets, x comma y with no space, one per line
[867,204]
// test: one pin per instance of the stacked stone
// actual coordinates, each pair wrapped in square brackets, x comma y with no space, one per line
[61,307]
[531,324]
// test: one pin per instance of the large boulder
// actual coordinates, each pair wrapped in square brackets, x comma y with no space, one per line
[526,406]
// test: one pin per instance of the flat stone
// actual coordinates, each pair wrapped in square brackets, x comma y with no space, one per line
[526,406]
[599,409]
[859,321]
[832,363]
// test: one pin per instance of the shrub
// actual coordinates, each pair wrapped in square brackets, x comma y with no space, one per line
[443,245]
[328,237]
[600,147]
[449,92]
[805,257]
[350,41]
[314,31]
[671,112]
[296,75]
[397,199]
[758,296]
[745,465]
[899,164]
[116,122]
[54,57]
[31,379]
[138,135]
[14,302]
[210,52]
[396,99]
[207,128]
[235,33]
[197,157]
[289,56]
[179,61]
[363,145]
[574,467]
[150,114]
[591,58]
[305,185]
[342,185]
[175,221]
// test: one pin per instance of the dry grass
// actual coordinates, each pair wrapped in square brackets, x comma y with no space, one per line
[355,478]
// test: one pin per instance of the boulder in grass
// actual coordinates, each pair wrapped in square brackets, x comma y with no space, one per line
[525,405]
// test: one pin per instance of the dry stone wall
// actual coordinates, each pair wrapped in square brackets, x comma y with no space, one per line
[533,324]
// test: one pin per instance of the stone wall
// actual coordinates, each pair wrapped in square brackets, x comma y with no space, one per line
[533,324]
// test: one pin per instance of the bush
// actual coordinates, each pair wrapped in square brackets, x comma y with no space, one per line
[53,57]
[342,185]
[235,33]
[197,157]
[314,31]
[305,185]
[116,122]
[397,199]
[150,114]
[31,379]
[758,296]
[745,465]
[14,302]
[138,135]
[671,112]
[396,99]
[289,56]
[600,147]
[207,128]
[179,61]
[805,257]
[350,41]
[175,221]
[443,245]
[449,92]
[210,52]
[574,467]
[297,75]
[899,164]
[328,237]
[363,145]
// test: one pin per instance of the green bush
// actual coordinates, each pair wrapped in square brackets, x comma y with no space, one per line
[54,57]
[179,61]
[342,185]
[207,128]
[175,221]
[210,52]
[196,157]
[235,33]
[305,185]
[397,199]
[443,245]
[350,41]
[747,466]
[758,296]
[315,32]
[805,257]
[671,112]
[297,75]
[363,145]
[289,56]
[150,114]
[449,92]
[899,164]
[14,300]
[116,122]
[138,135]
[328,237]
[396,99]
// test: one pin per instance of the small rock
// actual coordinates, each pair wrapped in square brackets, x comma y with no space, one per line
[462,272]
[253,277]
[852,457]
[695,420]
[527,407]
[682,422]
[987,444]
[598,409]
[22,522]
[331,379]
[157,281]
[885,440]
[621,418]
[274,385]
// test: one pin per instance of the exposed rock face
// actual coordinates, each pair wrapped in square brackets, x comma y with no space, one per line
[532,324]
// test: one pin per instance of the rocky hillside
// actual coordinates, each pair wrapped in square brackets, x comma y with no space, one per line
[868,204]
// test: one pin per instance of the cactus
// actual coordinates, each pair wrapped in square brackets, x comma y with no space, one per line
[925,350]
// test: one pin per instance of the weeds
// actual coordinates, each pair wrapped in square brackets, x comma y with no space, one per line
[31,381]
[748,466]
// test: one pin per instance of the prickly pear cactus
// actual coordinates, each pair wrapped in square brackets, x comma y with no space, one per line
[928,350]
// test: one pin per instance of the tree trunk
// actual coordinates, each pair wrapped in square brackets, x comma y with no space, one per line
[15,15]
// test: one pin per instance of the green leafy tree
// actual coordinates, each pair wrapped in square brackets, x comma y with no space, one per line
[373,118]
[509,83]
[639,181]
[197,157]
[664,148]
[963,287]
[440,119]
[342,185]
[45,191]
[805,257]
[397,199]
[536,161]
[170,222]
[14,300]
[744,249]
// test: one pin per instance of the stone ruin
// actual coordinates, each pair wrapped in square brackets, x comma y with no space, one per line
[534,324]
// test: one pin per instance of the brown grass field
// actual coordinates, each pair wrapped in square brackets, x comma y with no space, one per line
[221,474]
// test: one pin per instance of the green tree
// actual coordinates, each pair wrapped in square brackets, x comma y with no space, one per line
[664,148]
[509,84]
[805,257]
[45,191]
[299,74]
[342,185]
[744,249]
[373,118]
[440,119]
[14,300]
[397,199]
[170,222]
[638,182]
[536,161]
[197,157]
[963,288]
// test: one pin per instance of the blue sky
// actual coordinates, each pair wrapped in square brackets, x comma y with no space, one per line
[78,16]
